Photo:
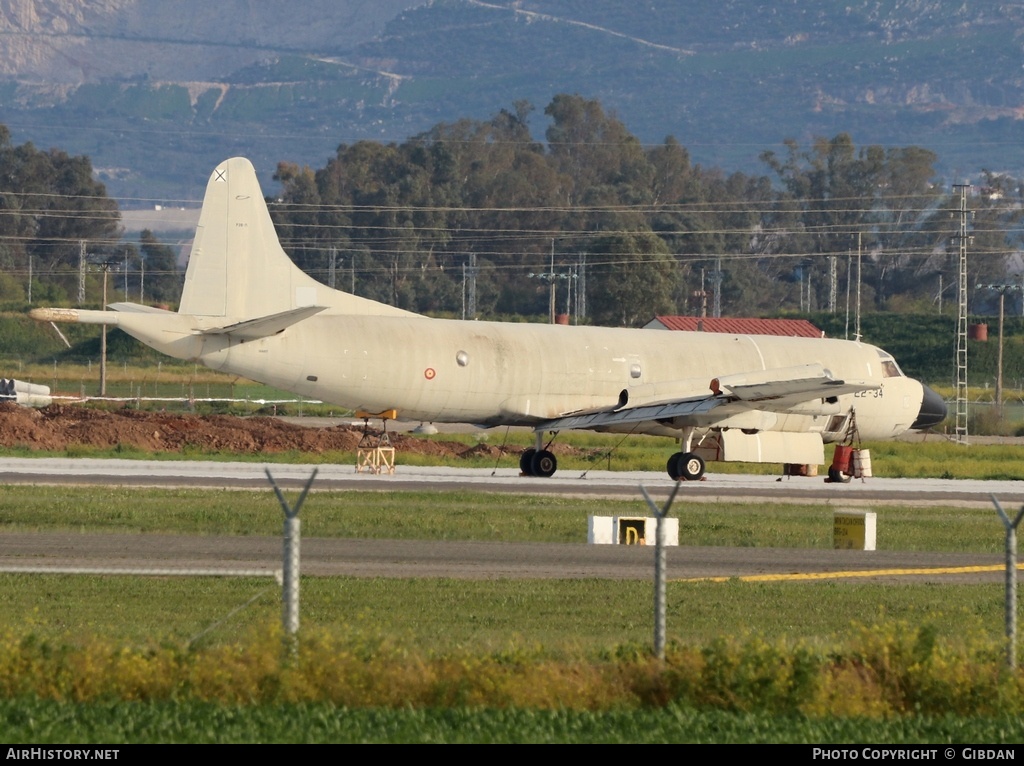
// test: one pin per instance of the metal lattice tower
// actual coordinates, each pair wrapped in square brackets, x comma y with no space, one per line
[961,324]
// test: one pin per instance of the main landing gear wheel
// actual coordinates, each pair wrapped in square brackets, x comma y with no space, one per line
[537,463]
[685,466]
[543,464]
[525,461]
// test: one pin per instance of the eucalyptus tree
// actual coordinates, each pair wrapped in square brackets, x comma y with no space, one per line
[49,207]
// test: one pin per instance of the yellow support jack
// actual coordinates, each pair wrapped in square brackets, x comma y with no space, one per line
[374,453]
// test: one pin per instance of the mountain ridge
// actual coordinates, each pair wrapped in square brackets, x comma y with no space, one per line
[156,93]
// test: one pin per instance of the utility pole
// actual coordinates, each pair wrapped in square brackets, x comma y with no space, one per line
[961,327]
[1002,289]
[581,288]
[471,297]
[716,310]
[703,295]
[833,280]
[551,307]
[849,273]
[856,332]
[81,272]
[550,277]
[103,336]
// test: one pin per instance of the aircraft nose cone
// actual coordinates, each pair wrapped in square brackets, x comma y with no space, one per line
[933,410]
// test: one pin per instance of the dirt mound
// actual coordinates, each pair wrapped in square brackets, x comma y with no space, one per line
[59,427]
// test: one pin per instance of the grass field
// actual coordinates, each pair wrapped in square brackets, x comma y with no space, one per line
[748,636]
[112,723]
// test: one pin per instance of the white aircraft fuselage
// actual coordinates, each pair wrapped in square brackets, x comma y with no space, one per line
[247,310]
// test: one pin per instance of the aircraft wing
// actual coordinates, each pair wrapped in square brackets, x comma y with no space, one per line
[659,413]
[777,390]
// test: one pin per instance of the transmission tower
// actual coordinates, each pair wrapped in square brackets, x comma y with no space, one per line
[961,324]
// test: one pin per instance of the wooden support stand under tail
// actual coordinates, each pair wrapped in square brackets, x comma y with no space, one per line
[374,453]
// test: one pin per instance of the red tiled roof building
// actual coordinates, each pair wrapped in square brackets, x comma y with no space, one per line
[791,328]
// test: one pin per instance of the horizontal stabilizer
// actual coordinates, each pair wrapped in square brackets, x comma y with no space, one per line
[262,327]
[137,308]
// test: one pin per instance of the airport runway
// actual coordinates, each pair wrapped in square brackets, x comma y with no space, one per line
[715,487]
[211,555]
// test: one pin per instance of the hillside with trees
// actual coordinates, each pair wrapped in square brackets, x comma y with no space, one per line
[158,93]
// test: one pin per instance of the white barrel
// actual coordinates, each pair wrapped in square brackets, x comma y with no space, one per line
[862,463]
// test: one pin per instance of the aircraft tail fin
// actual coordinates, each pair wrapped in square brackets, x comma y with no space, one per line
[237,268]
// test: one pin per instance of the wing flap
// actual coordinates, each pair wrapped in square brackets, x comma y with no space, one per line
[647,412]
[793,384]
[777,390]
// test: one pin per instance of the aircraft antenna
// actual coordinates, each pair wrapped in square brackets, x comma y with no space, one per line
[961,324]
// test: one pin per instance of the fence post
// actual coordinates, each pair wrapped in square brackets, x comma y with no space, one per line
[659,570]
[1011,581]
[291,561]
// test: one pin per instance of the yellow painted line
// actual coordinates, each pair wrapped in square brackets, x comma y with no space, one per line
[849,574]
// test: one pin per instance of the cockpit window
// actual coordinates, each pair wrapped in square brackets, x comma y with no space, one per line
[890,370]
[889,367]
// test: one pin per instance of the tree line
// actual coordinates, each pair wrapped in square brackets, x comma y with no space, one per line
[479,218]
[636,231]
[56,218]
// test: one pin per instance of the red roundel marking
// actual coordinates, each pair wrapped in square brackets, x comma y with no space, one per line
[429,373]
